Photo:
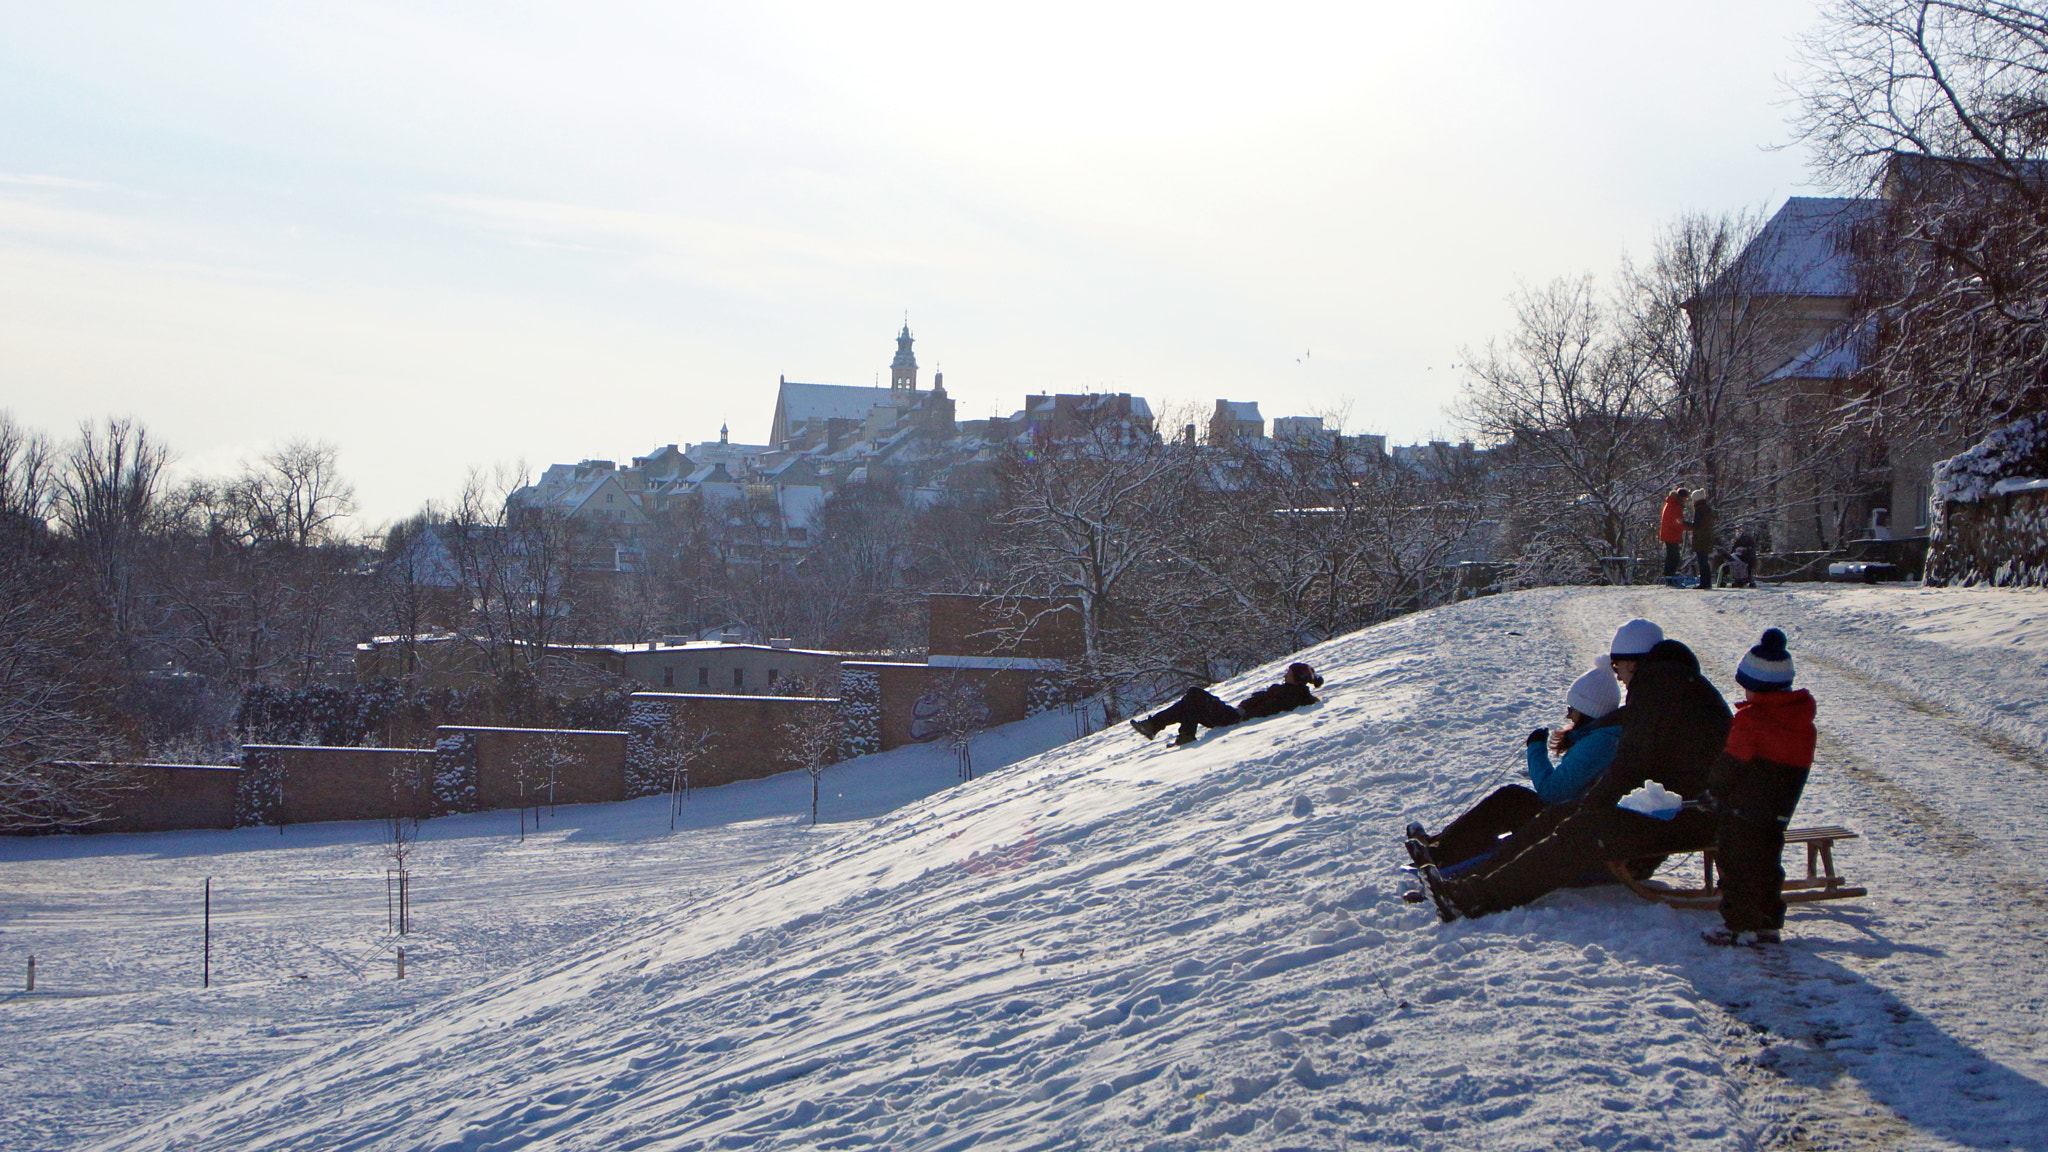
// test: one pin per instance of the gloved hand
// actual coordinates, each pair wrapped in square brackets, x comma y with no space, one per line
[1538,736]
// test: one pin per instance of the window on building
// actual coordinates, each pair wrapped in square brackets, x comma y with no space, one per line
[739,679]
[668,677]
[703,677]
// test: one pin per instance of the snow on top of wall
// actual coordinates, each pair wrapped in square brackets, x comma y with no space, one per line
[1970,476]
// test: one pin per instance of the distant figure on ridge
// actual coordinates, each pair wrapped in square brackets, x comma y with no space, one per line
[1197,706]
[1671,530]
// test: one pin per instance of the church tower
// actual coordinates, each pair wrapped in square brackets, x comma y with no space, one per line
[903,372]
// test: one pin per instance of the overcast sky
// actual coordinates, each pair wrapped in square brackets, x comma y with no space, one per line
[445,235]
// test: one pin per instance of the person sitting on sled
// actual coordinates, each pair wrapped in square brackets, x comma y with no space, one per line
[1755,785]
[1591,733]
[1676,726]
[1197,706]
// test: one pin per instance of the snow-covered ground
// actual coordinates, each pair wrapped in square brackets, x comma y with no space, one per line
[118,1030]
[1125,945]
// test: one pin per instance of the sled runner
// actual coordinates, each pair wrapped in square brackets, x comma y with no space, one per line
[1820,883]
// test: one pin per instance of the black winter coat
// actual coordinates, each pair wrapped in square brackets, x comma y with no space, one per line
[1275,699]
[1673,728]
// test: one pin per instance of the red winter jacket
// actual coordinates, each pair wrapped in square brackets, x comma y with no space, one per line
[1671,529]
[1776,726]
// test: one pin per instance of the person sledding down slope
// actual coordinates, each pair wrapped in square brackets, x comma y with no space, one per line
[1588,741]
[1676,726]
[1197,706]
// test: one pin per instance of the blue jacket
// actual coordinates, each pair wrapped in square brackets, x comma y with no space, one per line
[1591,751]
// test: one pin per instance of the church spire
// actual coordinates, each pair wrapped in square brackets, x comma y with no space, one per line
[903,370]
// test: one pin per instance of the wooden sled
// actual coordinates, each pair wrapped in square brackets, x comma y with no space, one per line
[1821,881]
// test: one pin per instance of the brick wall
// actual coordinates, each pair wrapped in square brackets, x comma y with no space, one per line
[306,784]
[910,694]
[167,797]
[747,741]
[513,766]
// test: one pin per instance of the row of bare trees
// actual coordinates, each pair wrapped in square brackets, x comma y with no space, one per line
[136,607]
[1191,562]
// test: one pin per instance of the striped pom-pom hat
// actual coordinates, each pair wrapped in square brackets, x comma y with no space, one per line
[1767,667]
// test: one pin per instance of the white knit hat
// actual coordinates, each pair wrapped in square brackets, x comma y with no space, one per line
[1635,638]
[1596,693]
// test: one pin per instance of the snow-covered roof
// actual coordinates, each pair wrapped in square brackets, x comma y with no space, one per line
[800,402]
[1803,250]
[1242,411]
[1839,353]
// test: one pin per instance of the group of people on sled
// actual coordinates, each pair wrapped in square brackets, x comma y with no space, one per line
[1668,769]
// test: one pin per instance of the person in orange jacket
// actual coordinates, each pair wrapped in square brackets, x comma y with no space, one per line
[1755,785]
[1671,530]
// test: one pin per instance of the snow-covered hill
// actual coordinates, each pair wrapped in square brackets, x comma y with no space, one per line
[1125,945]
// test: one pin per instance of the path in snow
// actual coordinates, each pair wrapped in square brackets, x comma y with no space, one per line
[1122,944]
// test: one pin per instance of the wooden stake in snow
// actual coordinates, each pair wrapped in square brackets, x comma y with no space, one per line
[31,973]
[206,963]
[401,963]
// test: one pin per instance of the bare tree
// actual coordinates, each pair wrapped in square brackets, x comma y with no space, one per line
[1943,104]
[678,746]
[296,494]
[1574,409]
[27,480]
[961,715]
[53,751]
[815,740]
[108,504]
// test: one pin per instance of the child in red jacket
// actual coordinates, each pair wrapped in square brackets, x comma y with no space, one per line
[1756,783]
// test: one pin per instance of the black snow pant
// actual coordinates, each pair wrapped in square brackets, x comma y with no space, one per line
[1671,560]
[1563,844]
[1476,832]
[1705,560]
[1750,845]
[1197,706]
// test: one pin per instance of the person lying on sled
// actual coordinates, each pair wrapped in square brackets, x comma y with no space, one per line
[1197,706]
[1591,733]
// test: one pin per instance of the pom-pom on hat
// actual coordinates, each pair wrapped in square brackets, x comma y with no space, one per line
[1596,693]
[1634,638]
[1767,667]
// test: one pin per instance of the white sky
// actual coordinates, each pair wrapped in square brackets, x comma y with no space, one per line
[444,235]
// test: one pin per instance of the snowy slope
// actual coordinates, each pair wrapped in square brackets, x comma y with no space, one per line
[1126,945]
[119,1033]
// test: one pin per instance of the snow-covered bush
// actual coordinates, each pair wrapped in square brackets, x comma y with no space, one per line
[860,710]
[455,772]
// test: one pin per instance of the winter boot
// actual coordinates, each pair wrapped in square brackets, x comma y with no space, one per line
[1729,938]
[1145,727]
[1433,883]
[1184,736]
[1418,851]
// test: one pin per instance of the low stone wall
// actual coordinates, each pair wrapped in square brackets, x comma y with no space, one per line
[2001,540]
[746,737]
